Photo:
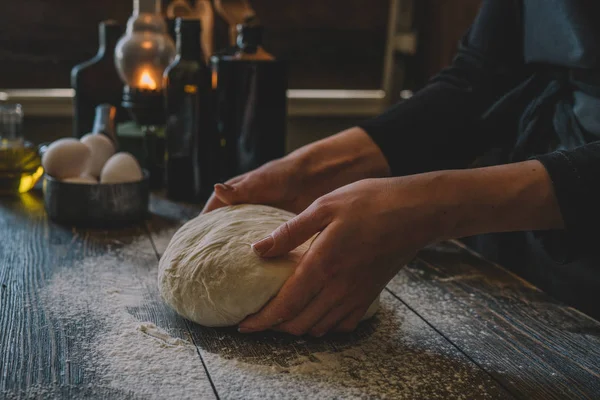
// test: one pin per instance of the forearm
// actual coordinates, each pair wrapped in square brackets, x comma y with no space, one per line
[439,128]
[338,160]
[513,197]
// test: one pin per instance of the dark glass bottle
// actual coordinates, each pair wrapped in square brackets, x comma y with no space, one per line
[191,141]
[251,103]
[96,81]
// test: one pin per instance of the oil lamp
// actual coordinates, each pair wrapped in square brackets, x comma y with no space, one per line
[141,56]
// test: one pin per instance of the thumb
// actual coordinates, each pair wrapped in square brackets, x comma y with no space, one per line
[292,233]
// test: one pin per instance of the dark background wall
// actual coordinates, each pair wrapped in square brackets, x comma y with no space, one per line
[330,44]
[444,22]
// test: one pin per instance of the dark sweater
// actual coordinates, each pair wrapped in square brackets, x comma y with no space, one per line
[525,83]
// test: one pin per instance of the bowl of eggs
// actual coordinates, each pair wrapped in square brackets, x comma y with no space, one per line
[88,184]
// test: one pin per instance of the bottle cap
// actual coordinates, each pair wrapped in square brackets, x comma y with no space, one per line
[250,33]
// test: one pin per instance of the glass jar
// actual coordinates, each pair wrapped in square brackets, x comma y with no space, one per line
[20,162]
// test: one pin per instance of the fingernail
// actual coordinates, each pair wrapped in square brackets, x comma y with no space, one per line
[224,186]
[263,245]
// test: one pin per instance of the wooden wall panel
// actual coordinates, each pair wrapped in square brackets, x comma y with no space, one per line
[330,44]
[41,40]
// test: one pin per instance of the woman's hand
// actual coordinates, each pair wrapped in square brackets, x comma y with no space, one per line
[367,231]
[293,182]
[280,183]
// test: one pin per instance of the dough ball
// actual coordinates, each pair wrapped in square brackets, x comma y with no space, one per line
[102,149]
[66,158]
[209,273]
[121,168]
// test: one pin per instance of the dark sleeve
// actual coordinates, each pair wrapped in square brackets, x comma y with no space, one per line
[437,127]
[575,175]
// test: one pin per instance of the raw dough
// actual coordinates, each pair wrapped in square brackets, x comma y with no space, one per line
[209,273]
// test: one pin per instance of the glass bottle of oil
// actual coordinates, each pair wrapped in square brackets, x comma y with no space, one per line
[20,163]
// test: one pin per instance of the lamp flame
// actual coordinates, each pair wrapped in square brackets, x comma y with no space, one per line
[146,81]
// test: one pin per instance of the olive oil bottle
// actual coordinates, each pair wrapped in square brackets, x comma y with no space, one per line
[20,163]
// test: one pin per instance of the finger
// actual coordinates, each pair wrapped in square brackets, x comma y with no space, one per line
[293,233]
[227,194]
[295,294]
[215,201]
[236,179]
[318,307]
[247,191]
[350,323]
[212,204]
[232,191]
[331,320]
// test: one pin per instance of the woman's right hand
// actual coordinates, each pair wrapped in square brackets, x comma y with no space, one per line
[293,182]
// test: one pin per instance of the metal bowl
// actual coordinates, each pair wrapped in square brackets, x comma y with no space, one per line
[103,205]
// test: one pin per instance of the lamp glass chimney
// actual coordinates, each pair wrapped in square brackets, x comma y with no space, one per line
[146,49]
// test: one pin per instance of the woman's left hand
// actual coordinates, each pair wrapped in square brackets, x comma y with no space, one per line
[367,231]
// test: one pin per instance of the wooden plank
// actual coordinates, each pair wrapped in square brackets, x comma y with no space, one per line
[170,213]
[535,346]
[25,349]
[396,355]
[67,297]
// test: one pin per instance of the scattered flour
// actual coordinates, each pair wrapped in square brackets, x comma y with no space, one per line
[398,357]
[101,295]
[112,301]
[163,337]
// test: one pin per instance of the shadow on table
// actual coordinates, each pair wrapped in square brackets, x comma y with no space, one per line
[393,355]
[270,347]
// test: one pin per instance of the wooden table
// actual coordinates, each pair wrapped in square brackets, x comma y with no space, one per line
[76,307]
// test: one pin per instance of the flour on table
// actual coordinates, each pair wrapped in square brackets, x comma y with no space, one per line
[396,358]
[154,331]
[127,354]
[110,300]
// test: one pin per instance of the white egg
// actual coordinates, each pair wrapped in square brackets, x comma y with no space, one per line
[66,158]
[83,179]
[102,149]
[120,168]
